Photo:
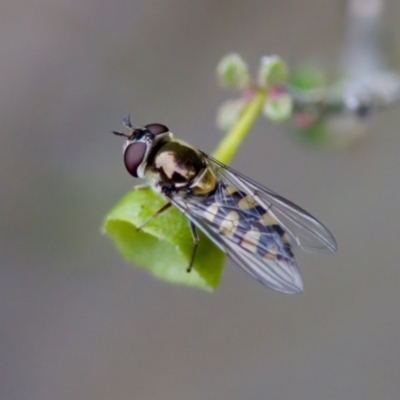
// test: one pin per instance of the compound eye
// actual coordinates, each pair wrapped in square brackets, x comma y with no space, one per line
[157,129]
[134,156]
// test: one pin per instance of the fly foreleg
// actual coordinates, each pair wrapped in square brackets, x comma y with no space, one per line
[155,215]
[142,186]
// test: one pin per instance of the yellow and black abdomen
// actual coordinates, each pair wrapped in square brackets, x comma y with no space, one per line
[242,220]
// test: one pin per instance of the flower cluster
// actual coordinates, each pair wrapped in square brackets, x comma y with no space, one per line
[272,78]
[317,112]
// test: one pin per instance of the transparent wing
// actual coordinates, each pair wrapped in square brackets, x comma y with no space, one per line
[256,247]
[302,228]
[255,227]
[278,271]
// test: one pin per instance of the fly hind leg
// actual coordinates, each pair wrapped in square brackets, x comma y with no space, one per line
[196,240]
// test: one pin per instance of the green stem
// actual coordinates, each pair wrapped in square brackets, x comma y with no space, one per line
[231,142]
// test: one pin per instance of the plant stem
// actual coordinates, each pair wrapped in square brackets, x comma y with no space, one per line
[231,142]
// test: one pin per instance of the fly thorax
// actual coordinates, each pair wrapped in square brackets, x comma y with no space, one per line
[177,164]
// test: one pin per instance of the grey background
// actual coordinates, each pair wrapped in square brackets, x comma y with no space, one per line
[76,321]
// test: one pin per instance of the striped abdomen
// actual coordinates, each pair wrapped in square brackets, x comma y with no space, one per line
[240,218]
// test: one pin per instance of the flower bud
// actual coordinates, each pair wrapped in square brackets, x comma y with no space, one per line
[278,108]
[229,112]
[272,71]
[232,72]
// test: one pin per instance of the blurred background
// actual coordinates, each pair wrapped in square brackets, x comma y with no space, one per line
[78,322]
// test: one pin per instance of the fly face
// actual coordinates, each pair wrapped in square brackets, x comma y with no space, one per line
[138,145]
[169,164]
[254,226]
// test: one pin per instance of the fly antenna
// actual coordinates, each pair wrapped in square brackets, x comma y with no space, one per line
[127,122]
[121,134]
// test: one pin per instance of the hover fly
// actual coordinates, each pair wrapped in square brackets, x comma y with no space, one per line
[254,226]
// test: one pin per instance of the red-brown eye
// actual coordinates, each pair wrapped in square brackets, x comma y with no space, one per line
[157,129]
[133,157]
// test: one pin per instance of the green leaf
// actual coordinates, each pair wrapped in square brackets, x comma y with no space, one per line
[316,134]
[164,245]
[308,78]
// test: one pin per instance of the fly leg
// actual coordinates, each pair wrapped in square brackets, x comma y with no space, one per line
[155,215]
[142,186]
[196,240]
[167,190]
